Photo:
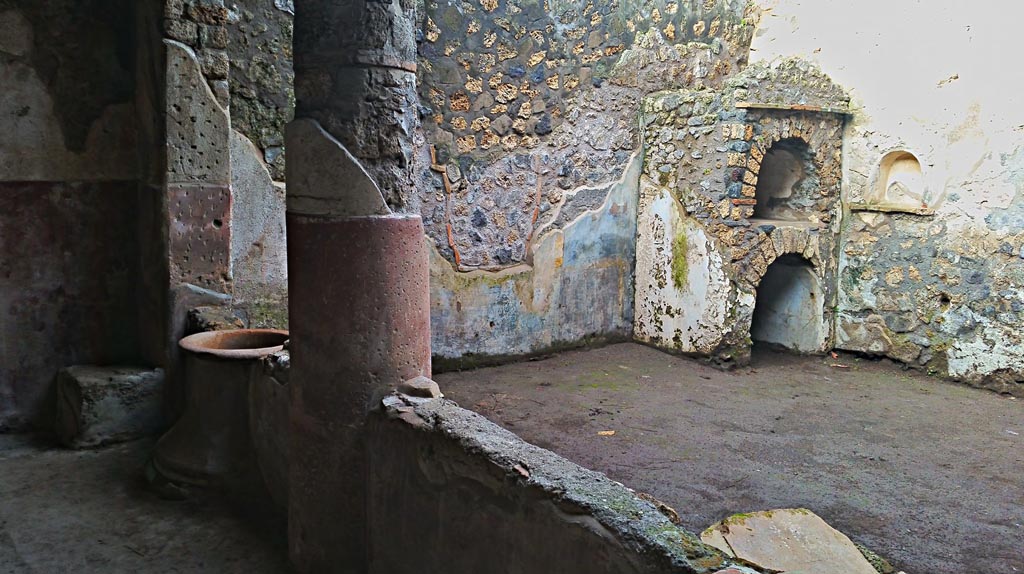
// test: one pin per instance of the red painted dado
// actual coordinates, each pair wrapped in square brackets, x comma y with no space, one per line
[69,260]
[359,316]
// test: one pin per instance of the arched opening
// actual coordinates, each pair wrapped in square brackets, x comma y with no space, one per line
[786,182]
[790,306]
[900,181]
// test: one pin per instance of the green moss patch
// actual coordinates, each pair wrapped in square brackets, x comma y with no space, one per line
[680,268]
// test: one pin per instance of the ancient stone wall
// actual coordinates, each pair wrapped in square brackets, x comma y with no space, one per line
[701,250]
[261,79]
[230,66]
[261,83]
[931,262]
[527,175]
[524,102]
[68,205]
[508,208]
[68,265]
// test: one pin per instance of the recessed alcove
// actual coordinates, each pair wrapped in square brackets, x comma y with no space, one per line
[898,185]
[786,182]
[789,311]
[900,181]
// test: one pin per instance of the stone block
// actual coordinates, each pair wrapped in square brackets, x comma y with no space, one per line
[103,405]
[208,11]
[258,254]
[421,387]
[197,124]
[214,64]
[174,8]
[215,318]
[213,37]
[757,153]
[313,175]
[182,31]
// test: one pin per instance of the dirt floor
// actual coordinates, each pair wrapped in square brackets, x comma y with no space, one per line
[90,512]
[928,473]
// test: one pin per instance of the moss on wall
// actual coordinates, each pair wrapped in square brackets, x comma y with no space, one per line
[680,267]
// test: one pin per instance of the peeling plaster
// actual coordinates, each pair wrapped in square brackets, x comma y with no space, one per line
[687,319]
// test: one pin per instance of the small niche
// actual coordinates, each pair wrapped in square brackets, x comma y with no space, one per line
[898,186]
[786,181]
[900,181]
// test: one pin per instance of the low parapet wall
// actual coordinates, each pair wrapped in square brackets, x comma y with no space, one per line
[452,492]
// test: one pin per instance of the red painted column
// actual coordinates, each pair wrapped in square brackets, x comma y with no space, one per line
[357,274]
[360,324]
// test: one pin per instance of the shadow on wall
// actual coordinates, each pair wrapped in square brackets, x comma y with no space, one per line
[789,310]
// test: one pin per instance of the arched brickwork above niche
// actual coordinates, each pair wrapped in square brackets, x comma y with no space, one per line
[776,242]
[813,141]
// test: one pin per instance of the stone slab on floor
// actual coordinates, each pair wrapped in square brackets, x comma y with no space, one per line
[105,405]
[790,540]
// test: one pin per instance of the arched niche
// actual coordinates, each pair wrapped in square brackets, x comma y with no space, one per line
[900,181]
[786,182]
[898,185]
[789,310]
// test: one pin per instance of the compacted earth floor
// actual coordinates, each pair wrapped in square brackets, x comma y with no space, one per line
[928,473]
[91,512]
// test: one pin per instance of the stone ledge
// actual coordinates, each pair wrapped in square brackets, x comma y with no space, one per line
[429,448]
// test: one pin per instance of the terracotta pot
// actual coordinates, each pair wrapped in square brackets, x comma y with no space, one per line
[211,444]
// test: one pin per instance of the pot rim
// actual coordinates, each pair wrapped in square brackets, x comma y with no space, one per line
[202,343]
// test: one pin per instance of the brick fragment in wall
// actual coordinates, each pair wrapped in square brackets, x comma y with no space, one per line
[458,102]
